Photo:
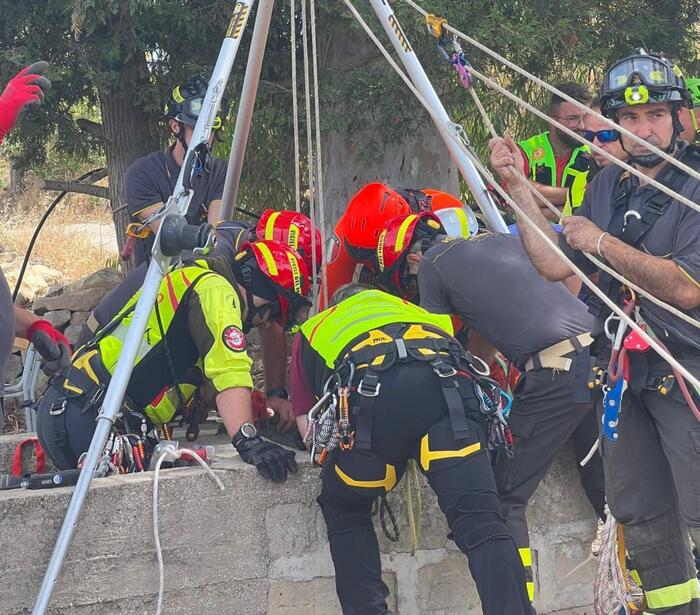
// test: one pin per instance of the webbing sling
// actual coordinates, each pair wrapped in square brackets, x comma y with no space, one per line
[631,226]
[401,350]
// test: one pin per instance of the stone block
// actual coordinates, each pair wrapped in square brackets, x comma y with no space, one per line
[446,588]
[79,318]
[59,318]
[316,597]
[82,295]
[72,332]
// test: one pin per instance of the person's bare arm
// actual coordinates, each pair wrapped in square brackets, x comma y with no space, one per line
[557,196]
[235,408]
[214,212]
[23,320]
[661,277]
[144,213]
[505,156]
[478,345]
[273,347]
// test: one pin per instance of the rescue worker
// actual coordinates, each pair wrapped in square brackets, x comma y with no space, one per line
[417,400]
[198,324]
[150,181]
[355,236]
[599,133]
[540,327]
[652,464]
[555,162]
[288,227]
[23,92]
[689,115]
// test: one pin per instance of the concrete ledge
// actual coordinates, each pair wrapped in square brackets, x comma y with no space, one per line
[259,548]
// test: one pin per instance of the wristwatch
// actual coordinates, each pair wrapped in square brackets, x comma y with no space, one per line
[247,431]
[281,392]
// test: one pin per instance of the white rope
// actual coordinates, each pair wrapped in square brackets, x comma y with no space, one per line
[458,133]
[646,179]
[551,88]
[170,453]
[295,107]
[309,152]
[541,197]
[319,161]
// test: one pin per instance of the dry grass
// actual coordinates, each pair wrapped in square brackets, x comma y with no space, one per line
[77,239]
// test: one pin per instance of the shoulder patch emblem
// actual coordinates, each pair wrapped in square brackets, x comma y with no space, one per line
[234,338]
[538,154]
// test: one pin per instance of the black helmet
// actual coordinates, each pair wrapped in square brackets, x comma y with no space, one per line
[185,102]
[640,79]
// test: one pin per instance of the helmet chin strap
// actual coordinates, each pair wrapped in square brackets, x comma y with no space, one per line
[180,135]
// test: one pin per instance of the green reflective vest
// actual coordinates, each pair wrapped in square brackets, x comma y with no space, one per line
[160,403]
[541,157]
[331,331]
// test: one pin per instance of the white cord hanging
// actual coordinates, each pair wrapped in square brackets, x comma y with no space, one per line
[170,453]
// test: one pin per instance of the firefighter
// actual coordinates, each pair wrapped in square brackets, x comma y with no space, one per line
[489,283]
[409,391]
[652,451]
[197,327]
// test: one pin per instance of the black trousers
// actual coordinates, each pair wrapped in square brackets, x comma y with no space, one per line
[549,407]
[65,431]
[652,474]
[411,421]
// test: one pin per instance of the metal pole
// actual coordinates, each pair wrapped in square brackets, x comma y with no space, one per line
[177,204]
[417,74]
[245,107]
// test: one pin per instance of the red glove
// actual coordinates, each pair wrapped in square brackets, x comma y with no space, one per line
[24,91]
[51,344]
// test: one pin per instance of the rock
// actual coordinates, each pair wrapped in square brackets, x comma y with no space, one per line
[37,278]
[72,332]
[82,295]
[59,318]
[13,368]
[79,318]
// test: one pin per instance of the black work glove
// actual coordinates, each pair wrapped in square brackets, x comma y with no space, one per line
[271,460]
[52,345]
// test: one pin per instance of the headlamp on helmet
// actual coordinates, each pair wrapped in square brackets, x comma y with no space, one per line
[640,79]
[185,103]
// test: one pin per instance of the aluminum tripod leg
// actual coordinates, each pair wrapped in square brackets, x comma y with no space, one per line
[245,107]
[420,80]
[177,204]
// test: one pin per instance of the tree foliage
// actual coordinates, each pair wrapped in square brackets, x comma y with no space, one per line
[137,50]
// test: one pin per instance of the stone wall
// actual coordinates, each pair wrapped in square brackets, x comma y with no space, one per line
[261,548]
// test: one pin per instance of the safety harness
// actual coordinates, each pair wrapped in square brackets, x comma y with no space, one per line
[86,381]
[360,370]
[631,226]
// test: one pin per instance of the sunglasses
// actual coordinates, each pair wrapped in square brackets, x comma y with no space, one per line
[604,136]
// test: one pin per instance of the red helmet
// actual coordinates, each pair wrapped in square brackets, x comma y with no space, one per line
[272,270]
[395,240]
[367,212]
[440,200]
[293,229]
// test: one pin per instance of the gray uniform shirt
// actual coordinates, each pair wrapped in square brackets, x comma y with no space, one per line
[7,328]
[675,235]
[491,285]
